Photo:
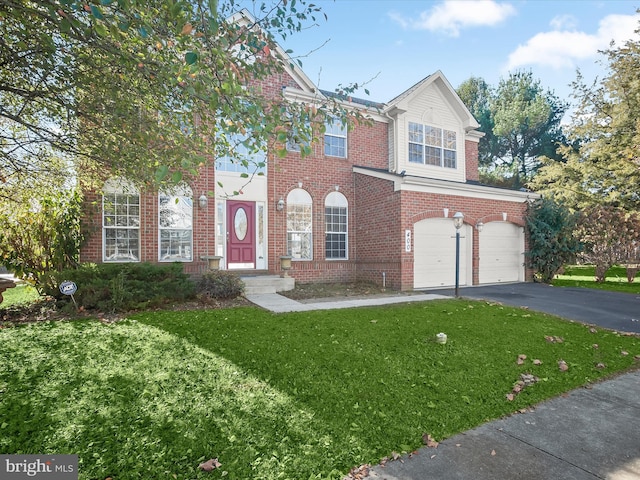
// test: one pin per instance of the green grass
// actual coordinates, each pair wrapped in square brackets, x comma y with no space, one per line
[19,295]
[299,396]
[584,276]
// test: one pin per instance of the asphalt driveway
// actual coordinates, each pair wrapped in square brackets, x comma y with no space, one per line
[614,310]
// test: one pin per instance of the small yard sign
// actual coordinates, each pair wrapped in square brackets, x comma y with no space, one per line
[69,288]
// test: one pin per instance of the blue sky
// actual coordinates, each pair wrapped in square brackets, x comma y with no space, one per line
[399,42]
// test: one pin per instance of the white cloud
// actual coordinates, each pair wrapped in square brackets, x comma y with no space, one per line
[451,16]
[565,48]
[564,22]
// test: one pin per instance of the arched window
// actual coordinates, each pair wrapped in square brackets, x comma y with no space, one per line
[175,225]
[299,225]
[336,226]
[120,222]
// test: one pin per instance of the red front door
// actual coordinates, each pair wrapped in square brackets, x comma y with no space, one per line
[241,234]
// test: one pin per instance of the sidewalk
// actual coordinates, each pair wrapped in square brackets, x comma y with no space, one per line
[589,434]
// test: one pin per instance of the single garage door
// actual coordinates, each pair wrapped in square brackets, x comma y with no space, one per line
[501,253]
[434,255]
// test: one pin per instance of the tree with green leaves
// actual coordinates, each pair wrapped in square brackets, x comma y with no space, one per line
[527,125]
[43,236]
[477,95]
[150,90]
[552,243]
[602,165]
[521,121]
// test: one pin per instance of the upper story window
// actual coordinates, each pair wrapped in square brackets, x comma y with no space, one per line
[432,146]
[335,139]
[175,225]
[120,222]
[245,160]
[299,225]
[299,137]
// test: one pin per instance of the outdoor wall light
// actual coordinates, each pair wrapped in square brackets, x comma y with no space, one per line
[280,204]
[458,220]
[479,225]
[202,201]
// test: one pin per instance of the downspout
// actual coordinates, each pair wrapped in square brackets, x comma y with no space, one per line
[395,143]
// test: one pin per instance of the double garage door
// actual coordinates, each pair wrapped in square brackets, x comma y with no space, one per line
[501,253]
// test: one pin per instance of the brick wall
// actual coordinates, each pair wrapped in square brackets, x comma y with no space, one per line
[203,225]
[471,160]
[319,175]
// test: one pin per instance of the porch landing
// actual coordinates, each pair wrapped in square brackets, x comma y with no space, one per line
[263,284]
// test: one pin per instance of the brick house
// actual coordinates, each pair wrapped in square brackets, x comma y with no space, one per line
[374,203]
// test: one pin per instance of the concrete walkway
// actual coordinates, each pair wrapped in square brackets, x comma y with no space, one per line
[589,434]
[281,304]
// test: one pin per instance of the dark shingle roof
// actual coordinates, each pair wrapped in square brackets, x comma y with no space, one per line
[360,101]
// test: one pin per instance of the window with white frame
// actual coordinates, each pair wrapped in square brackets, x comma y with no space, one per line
[430,145]
[299,225]
[245,158]
[336,226]
[120,222]
[335,138]
[175,225]
[299,136]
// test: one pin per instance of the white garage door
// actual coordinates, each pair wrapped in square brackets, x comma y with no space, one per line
[434,263]
[501,253]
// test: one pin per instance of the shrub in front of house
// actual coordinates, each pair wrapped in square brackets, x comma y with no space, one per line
[220,284]
[111,287]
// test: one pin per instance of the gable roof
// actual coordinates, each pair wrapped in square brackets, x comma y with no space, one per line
[245,18]
[437,79]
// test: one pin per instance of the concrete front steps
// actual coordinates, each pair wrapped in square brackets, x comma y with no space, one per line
[261,284]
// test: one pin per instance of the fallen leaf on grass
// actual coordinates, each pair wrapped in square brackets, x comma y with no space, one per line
[600,366]
[595,346]
[510,397]
[552,339]
[395,455]
[562,365]
[429,441]
[593,330]
[210,465]
[358,473]
[537,362]
[624,353]
[521,359]
[636,357]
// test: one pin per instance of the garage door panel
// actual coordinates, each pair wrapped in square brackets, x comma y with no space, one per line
[501,253]
[435,252]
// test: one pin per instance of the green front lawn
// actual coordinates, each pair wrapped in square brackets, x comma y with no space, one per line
[584,276]
[19,295]
[300,395]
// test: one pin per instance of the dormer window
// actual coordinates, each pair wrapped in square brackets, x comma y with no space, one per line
[430,145]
